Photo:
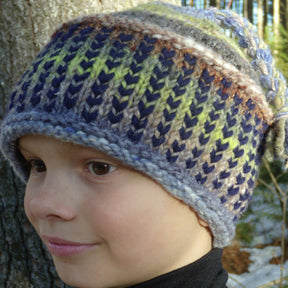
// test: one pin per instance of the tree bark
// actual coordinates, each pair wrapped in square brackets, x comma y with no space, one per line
[250,11]
[260,24]
[205,4]
[245,8]
[212,3]
[276,24]
[265,3]
[25,25]
[215,3]
[237,7]
[286,15]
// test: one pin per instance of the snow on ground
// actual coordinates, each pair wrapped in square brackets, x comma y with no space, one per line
[260,271]
[265,216]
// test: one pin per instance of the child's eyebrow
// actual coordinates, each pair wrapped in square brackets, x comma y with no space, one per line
[90,152]
[24,151]
[22,147]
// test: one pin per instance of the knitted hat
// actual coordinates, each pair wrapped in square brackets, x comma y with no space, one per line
[186,96]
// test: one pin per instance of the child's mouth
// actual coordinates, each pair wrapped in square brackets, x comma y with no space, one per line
[64,248]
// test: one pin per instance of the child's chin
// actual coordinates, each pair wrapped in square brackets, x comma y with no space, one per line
[76,275]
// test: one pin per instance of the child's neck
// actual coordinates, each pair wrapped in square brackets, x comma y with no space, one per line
[206,272]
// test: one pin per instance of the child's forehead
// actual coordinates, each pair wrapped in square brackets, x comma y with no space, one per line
[35,143]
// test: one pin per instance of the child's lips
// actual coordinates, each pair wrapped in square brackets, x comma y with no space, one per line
[64,248]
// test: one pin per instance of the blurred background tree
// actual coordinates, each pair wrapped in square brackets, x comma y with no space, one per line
[25,26]
[270,17]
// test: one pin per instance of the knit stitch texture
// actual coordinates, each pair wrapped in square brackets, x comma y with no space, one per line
[187,96]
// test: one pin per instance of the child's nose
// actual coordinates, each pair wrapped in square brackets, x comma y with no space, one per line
[53,200]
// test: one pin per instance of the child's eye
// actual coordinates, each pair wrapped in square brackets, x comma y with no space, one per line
[100,168]
[37,166]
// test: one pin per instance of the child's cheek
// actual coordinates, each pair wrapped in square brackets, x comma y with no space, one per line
[27,208]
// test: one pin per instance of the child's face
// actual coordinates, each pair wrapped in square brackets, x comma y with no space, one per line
[105,225]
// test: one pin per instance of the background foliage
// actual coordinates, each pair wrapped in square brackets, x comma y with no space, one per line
[270,18]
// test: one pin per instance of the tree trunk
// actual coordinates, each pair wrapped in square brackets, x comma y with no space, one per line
[215,3]
[250,11]
[229,5]
[25,25]
[212,3]
[245,8]
[286,15]
[237,6]
[260,21]
[205,4]
[265,14]
[276,25]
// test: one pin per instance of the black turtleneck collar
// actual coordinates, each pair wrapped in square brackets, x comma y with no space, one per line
[207,272]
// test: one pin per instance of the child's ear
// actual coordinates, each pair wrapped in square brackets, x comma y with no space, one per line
[203,223]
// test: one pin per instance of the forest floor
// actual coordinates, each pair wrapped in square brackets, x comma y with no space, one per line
[254,258]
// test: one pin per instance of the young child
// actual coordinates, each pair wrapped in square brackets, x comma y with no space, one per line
[139,135]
